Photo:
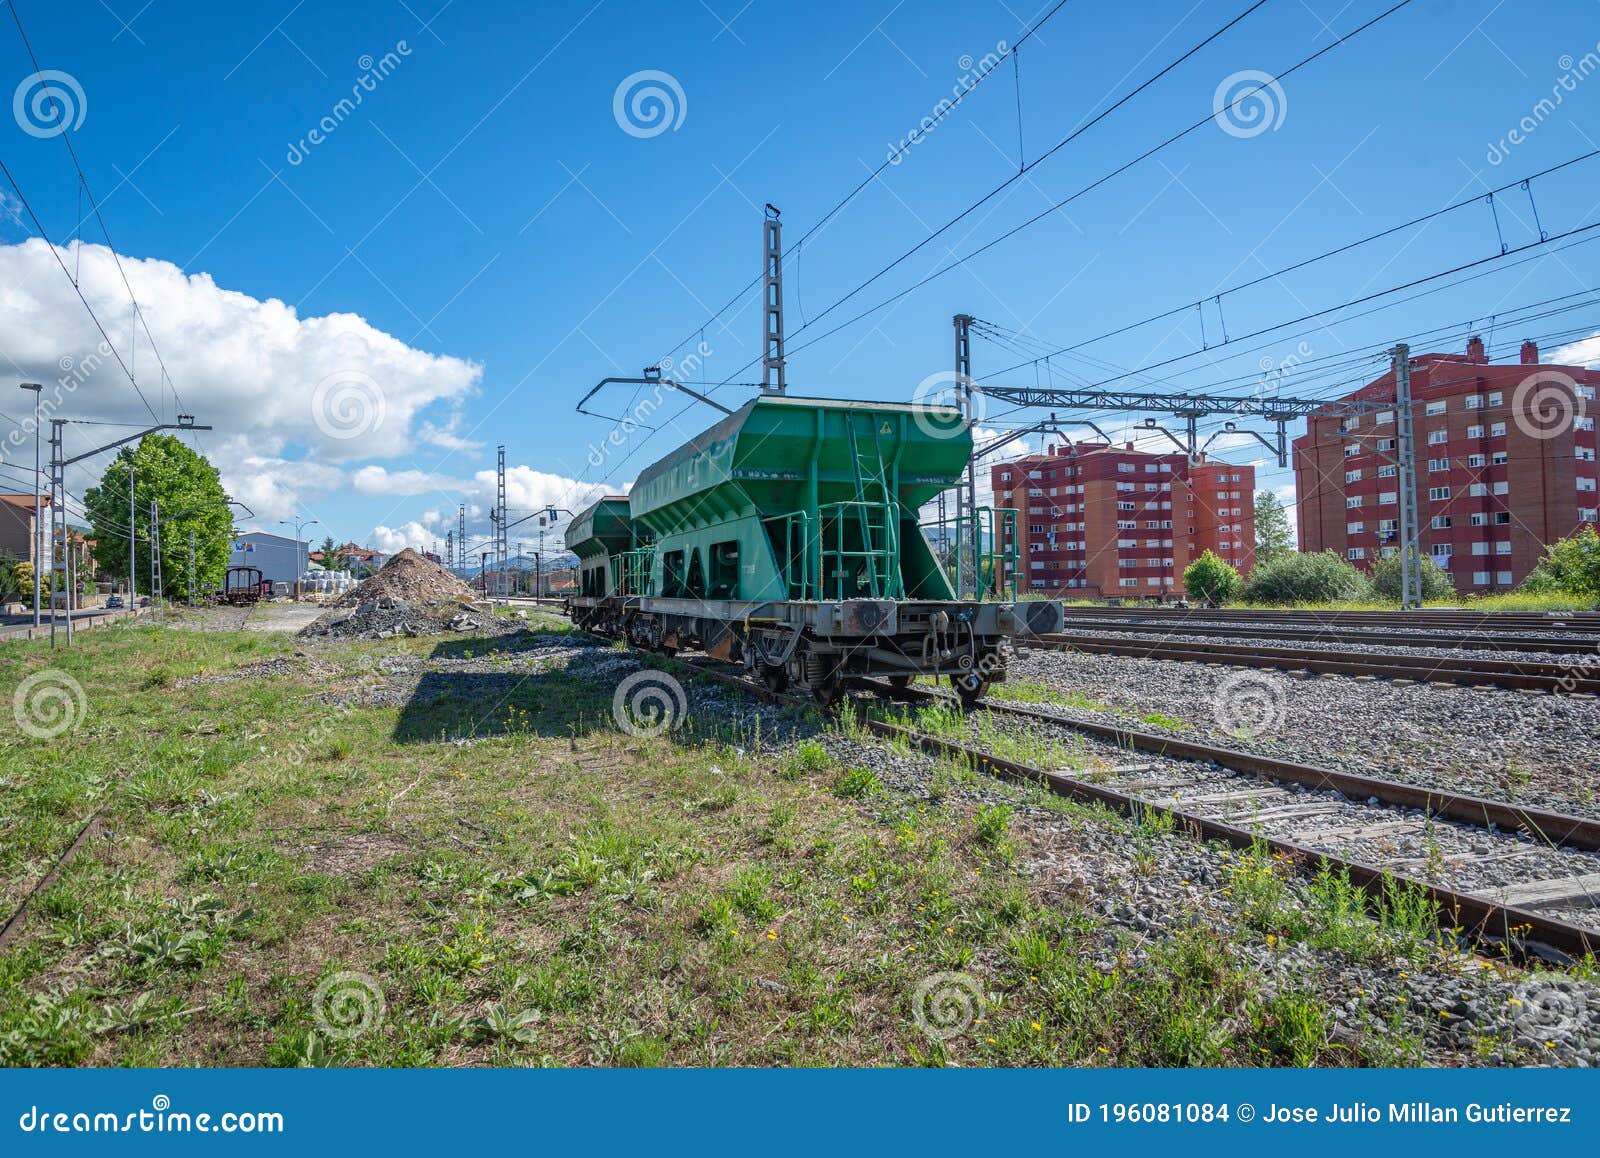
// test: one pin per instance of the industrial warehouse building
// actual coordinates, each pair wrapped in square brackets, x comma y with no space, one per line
[279,558]
[1505,465]
[1099,520]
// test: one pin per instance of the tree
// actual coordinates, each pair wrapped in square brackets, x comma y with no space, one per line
[1211,579]
[1274,537]
[1387,581]
[1302,578]
[1569,567]
[183,484]
[328,549]
[11,578]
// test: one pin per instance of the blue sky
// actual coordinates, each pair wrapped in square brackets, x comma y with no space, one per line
[479,239]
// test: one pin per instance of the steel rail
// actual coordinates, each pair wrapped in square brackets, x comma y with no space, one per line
[1508,673]
[1571,644]
[1517,931]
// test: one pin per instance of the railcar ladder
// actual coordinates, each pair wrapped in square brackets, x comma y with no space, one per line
[868,474]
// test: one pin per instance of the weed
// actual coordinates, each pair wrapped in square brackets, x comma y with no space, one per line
[857,784]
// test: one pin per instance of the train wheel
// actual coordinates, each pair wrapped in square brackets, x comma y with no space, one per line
[776,678]
[900,682]
[970,689]
[827,694]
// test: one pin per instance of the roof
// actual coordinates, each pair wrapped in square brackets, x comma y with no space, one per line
[23,501]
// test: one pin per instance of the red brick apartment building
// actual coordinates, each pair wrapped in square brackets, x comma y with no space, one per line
[1099,520]
[1505,465]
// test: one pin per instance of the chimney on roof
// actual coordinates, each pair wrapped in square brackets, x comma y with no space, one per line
[1530,353]
[1127,446]
[1475,350]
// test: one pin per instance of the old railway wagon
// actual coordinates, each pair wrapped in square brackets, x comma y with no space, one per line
[786,538]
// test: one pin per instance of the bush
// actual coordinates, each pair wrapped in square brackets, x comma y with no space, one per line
[1570,567]
[1436,581]
[1211,579]
[1301,578]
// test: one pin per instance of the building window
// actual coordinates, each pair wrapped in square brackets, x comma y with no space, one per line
[1477,490]
[1475,460]
[1438,437]
[1503,547]
[1496,398]
[1501,488]
[1587,514]
[1351,449]
[1387,497]
[1480,548]
[1350,423]
[1480,578]
[1351,502]
[1440,550]
[1127,582]
[1441,522]
[1438,494]
[1584,484]
[1497,430]
[1387,471]
[1351,476]
[1586,392]
[1384,416]
[1124,468]
[1440,464]
[1478,519]
[1354,528]
[1435,408]
[1474,401]
[1502,518]
[1498,458]
[1503,578]
[1386,444]
[1356,553]
[1475,432]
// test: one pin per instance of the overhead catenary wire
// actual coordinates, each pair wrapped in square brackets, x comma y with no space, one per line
[94,206]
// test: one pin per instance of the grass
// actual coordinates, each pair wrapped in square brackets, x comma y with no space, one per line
[288,873]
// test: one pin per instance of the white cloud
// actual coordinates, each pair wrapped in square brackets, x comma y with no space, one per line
[1583,352]
[378,480]
[391,540]
[244,365]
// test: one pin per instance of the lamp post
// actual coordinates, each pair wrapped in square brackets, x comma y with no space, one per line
[299,526]
[36,546]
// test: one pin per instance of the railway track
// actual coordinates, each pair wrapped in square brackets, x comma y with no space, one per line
[1572,643]
[1424,620]
[1506,920]
[1526,674]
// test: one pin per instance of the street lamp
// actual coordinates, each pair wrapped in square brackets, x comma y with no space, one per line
[36,547]
[299,526]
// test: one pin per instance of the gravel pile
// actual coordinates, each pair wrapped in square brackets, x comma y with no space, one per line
[1540,750]
[385,618]
[408,578]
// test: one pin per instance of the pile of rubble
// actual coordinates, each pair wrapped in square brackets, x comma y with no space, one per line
[409,596]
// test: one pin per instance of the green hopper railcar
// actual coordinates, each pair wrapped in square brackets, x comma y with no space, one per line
[786,538]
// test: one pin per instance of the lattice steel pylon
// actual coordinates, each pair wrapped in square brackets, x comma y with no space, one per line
[772,311]
[155,556]
[500,533]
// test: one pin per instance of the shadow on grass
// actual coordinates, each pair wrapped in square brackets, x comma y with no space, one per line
[470,705]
